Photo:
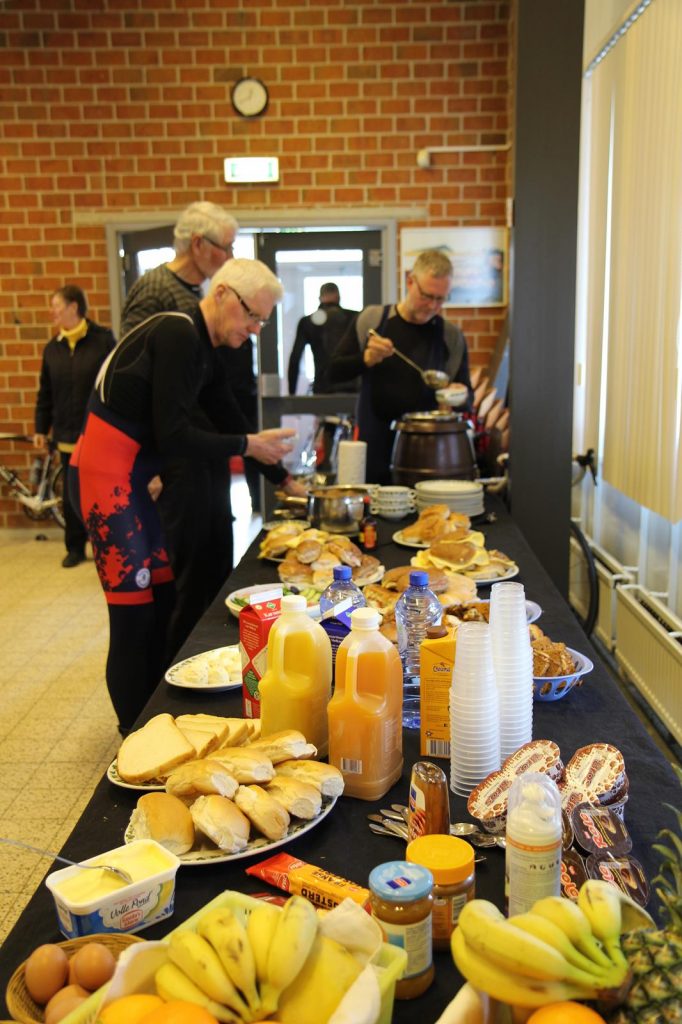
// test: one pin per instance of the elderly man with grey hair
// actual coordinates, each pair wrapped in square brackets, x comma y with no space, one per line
[203,240]
[163,393]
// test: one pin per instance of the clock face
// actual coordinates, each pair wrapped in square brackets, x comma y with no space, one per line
[249,97]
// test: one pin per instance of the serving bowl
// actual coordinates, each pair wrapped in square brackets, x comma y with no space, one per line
[555,687]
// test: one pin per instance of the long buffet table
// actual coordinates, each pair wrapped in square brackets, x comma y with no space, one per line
[342,842]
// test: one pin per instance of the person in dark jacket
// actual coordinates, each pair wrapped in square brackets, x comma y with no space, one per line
[71,360]
[322,331]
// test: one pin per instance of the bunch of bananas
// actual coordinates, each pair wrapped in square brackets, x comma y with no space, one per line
[275,964]
[557,951]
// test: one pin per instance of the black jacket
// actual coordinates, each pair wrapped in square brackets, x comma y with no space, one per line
[66,380]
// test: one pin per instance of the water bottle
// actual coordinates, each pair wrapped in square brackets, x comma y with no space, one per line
[341,589]
[416,609]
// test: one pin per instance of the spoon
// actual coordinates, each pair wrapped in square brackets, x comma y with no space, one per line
[123,875]
[393,815]
[432,378]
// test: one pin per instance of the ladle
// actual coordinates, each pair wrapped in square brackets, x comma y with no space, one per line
[123,875]
[432,378]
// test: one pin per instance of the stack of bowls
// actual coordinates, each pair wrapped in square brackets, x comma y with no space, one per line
[463,496]
[392,502]
[474,714]
[513,661]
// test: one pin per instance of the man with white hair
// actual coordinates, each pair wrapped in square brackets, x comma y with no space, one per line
[203,240]
[162,393]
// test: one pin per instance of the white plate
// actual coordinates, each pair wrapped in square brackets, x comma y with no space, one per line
[447,487]
[533,611]
[146,787]
[245,592]
[210,854]
[174,675]
[407,543]
[508,575]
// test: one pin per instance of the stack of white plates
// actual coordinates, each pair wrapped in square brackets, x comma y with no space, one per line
[463,496]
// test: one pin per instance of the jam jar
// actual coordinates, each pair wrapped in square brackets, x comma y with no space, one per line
[402,903]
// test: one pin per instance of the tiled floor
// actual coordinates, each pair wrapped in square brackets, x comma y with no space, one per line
[57,728]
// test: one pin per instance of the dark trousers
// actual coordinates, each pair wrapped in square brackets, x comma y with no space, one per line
[196,517]
[75,534]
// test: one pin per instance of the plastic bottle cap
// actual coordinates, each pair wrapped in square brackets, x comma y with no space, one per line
[398,881]
[294,603]
[450,860]
[419,578]
[364,618]
[342,572]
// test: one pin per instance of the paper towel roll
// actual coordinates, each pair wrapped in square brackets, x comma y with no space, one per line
[351,464]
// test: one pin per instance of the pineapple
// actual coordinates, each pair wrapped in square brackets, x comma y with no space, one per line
[656,956]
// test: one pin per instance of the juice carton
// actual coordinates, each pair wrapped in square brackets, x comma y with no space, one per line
[255,620]
[336,624]
[437,660]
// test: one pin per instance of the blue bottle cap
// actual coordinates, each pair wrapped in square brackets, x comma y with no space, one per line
[342,572]
[419,578]
[398,881]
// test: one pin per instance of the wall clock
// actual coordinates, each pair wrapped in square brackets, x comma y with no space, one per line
[249,97]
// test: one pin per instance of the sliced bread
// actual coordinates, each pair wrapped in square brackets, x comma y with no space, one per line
[153,751]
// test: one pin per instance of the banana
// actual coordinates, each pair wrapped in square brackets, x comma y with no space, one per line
[570,918]
[225,932]
[488,933]
[291,943]
[515,989]
[260,927]
[549,932]
[600,903]
[198,960]
[320,985]
[172,983]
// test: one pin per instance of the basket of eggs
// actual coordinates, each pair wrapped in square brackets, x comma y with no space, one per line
[58,977]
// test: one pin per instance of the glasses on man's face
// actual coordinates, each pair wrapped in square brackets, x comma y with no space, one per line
[227,249]
[255,318]
[427,296]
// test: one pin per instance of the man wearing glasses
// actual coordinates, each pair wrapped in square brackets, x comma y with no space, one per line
[390,388]
[162,393]
[203,240]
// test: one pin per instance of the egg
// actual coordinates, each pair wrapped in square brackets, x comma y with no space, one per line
[92,965]
[66,1000]
[45,972]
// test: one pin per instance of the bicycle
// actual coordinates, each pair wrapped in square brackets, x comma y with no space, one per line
[43,498]
[583,588]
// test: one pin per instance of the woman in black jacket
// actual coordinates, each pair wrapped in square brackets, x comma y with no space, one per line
[71,360]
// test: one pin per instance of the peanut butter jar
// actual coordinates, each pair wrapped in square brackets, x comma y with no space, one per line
[402,902]
[451,862]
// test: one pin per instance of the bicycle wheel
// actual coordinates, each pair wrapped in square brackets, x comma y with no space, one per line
[57,491]
[583,590]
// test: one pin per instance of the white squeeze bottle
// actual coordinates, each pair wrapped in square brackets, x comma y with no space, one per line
[533,857]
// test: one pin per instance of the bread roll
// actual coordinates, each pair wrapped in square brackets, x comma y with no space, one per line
[281,746]
[326,777]
[164,818]
[201,778]
[245,764]
[301,799]
[153,751]
[266,813]
[223,822]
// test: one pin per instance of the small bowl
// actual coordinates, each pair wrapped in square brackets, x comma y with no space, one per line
[454,398]
[19,1002]
[555,687]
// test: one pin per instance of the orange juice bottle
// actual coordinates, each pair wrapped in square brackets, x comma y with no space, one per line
[365,713]
[296,686]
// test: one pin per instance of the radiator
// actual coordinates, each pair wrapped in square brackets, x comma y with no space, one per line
[610,575]
[649,652]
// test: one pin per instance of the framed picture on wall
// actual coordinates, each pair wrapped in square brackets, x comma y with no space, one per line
[479,257]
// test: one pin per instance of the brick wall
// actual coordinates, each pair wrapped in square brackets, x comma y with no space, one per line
[122,106]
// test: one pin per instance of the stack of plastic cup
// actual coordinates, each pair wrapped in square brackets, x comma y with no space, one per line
[474,717]
[513,660]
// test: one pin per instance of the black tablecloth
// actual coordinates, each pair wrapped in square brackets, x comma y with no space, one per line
[342,842]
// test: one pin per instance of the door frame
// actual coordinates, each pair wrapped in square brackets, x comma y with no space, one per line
[384,220]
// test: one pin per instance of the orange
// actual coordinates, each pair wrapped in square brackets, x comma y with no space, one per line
[179,1012]
[129,1009]
[565,1013]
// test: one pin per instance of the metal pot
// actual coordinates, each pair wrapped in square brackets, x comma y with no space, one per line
[337,509]
[431,445]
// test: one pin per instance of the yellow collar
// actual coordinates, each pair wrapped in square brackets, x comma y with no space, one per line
[75,334]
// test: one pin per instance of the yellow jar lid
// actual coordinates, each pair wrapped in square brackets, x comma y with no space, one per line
[450,860]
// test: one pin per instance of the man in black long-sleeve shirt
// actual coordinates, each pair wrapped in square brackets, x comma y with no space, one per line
[390,388]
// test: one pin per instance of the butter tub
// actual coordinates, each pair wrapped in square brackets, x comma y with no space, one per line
[94,902]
